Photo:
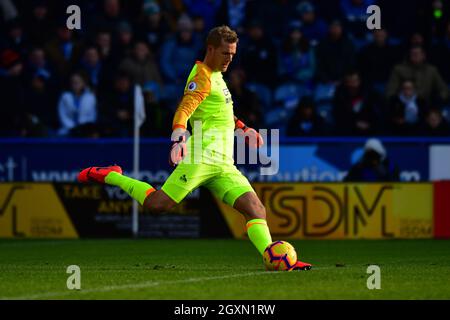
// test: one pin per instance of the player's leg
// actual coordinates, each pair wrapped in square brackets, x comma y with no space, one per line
[155,200]
[184,179]
[144,193]
[249,205]
[234,189]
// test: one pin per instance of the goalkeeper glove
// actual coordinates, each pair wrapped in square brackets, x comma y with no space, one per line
[252,137]
[178,149]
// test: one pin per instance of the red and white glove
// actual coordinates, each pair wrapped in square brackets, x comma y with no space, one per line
[178,149]
[252,137]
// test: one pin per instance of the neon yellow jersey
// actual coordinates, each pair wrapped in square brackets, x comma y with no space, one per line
[207,103]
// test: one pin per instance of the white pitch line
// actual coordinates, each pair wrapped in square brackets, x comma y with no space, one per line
[134,286]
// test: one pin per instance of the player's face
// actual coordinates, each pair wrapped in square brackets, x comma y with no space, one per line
[223,55]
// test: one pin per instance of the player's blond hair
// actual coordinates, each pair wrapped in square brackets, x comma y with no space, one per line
[217,34]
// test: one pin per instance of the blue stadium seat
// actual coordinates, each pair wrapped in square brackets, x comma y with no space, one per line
[172,94]
[324,92]
[446,113]
[287,96]
[154,88]
[325,111]
[264,94]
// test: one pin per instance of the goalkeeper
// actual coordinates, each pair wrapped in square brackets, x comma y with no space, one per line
[205,158]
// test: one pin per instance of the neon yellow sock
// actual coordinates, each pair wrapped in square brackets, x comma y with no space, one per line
[259,234]
[136,189]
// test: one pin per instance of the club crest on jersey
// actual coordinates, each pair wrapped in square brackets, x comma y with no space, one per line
[192,86]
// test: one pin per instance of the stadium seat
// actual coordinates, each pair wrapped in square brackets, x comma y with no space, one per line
[446,113]
[324,92]
[264,94]
[172,93]
[287,96]
[154,88]
[325,111]
[278,118]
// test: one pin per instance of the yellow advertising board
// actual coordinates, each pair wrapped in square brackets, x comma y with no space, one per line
[342,210]
[33,210]
[72,210]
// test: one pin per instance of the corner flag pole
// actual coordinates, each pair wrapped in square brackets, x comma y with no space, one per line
[139,118]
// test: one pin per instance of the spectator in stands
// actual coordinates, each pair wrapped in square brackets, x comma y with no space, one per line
[354,109]
[179,53]
[157,112]
[38,52]
[63,51]
[355,19]
[99,76]
[305,121]
[312,27]
[417,40]
[103,41]
[110,17]
[171,11]
[125,37]
[11,91]
[117,106]
[207,9]
[335,55]
[39,26]
[38,65]
[77,106]
[15,38]
[296,58]
[438,19]
[440,54]
[198,26]
[374,165]
[153,28]
[405,111]
[376,60]
[429,83]
[435,124]
[40,107]
[141,65]
[258,55]
[8,11]
[245,102]
[233,13]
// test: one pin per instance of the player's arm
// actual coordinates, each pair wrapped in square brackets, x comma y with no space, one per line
[252,137]
[195,92]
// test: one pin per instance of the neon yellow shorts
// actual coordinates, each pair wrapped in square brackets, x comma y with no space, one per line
[225,181]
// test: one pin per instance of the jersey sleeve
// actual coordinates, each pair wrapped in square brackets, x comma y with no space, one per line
[197,89]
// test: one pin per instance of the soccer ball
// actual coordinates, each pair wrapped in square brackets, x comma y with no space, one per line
[280,256]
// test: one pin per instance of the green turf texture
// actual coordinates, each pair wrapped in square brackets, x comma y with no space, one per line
[221,269]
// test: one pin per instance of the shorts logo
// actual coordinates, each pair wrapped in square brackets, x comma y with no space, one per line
[192,86]
[183,178]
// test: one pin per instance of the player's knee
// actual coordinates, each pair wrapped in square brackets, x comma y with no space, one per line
[262,212]
[258,211]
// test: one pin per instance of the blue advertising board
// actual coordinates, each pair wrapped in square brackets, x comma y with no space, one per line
[299,160]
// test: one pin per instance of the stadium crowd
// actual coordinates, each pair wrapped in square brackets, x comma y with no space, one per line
[309,68]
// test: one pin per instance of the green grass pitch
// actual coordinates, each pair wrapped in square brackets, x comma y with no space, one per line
[221,269]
